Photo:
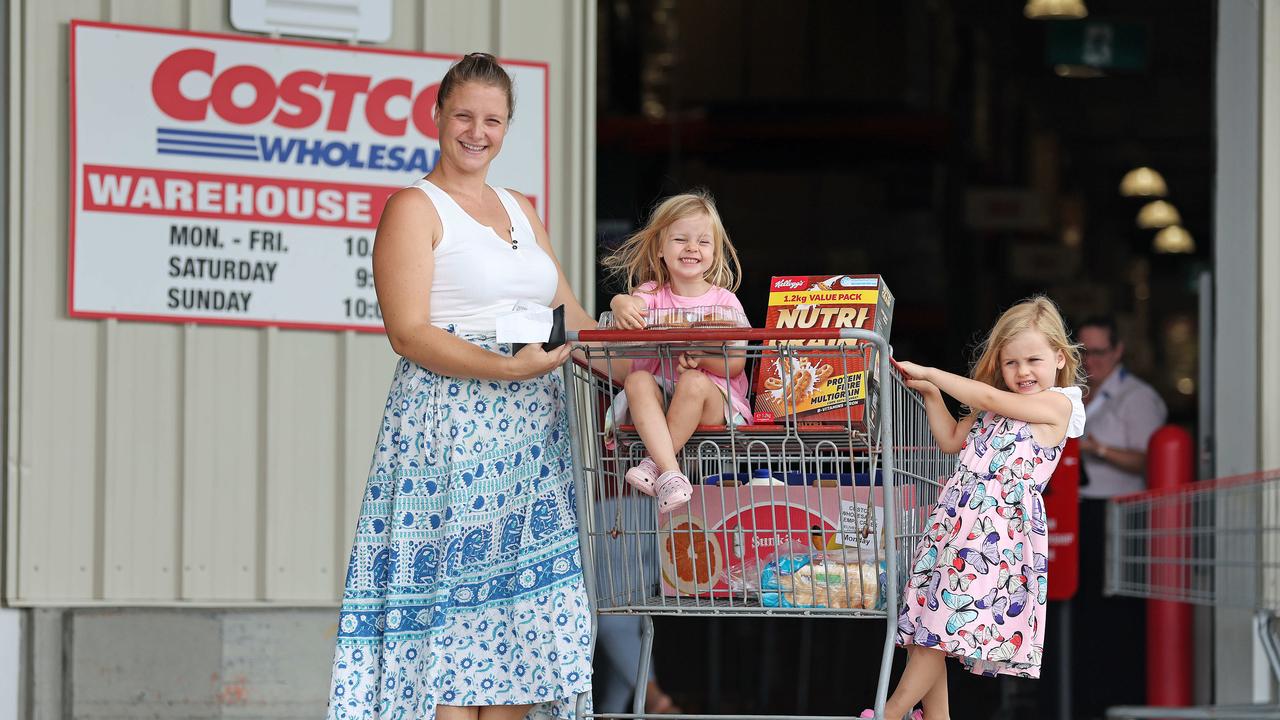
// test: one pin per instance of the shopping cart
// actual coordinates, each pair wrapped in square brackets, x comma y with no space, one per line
[1213,543]
[787,519]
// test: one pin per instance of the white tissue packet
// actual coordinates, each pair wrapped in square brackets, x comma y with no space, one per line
[527,322]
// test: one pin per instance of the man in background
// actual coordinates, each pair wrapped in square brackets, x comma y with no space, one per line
[1122,413]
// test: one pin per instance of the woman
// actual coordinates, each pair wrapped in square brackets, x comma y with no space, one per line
[464,595]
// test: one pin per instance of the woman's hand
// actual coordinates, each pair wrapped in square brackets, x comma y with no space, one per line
[532,361]
[629,312]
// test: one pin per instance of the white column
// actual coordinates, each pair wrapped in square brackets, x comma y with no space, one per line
[10,658]
[1247,132]
[1269,244]
[1269,312]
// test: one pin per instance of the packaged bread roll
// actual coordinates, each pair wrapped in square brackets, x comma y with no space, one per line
[833,585]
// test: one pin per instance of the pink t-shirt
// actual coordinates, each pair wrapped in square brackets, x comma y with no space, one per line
[655,297]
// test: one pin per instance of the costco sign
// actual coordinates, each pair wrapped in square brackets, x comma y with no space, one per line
[238,180]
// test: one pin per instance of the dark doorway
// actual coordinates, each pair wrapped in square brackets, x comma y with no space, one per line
[954,148]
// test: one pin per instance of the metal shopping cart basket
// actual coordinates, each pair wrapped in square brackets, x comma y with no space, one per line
[1213,543]
[787,519]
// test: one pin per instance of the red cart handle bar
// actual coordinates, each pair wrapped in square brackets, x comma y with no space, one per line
[718,335]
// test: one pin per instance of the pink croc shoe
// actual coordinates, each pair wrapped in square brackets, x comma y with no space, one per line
[643,475]
[674,490]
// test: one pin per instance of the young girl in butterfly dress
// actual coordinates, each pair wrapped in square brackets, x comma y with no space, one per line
[978,578]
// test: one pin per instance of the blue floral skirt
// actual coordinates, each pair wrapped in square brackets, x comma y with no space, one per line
[465,582]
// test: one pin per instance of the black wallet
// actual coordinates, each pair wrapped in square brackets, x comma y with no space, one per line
[557,333]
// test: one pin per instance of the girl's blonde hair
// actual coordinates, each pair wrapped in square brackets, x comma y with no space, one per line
[1035,313]
[636,261]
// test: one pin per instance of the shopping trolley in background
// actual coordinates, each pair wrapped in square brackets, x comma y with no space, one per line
[1213,543]
[787,519]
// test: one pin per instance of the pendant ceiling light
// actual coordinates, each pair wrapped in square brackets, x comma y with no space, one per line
[1055,9]
[1143,182]
[1158,214]
[1173,239]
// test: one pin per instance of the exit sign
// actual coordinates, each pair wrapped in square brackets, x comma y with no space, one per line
[1099,44]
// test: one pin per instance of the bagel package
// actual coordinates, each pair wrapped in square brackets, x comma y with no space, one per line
[821,381]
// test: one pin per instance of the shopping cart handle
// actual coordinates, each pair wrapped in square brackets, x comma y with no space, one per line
[714,335]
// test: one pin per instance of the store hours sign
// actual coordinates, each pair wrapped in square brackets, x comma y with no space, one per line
[236,180]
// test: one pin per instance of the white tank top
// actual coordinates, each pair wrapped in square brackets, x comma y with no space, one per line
[478,275]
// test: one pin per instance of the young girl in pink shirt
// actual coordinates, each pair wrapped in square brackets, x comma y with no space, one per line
[681,258]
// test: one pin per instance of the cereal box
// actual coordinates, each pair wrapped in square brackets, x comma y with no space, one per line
[818,383]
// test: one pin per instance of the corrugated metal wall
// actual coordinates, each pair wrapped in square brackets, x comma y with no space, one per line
[169,464]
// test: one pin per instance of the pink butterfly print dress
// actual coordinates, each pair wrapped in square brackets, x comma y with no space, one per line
[978,579]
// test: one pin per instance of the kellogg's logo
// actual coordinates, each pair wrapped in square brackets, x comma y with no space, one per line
[300,100]
[788,284]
